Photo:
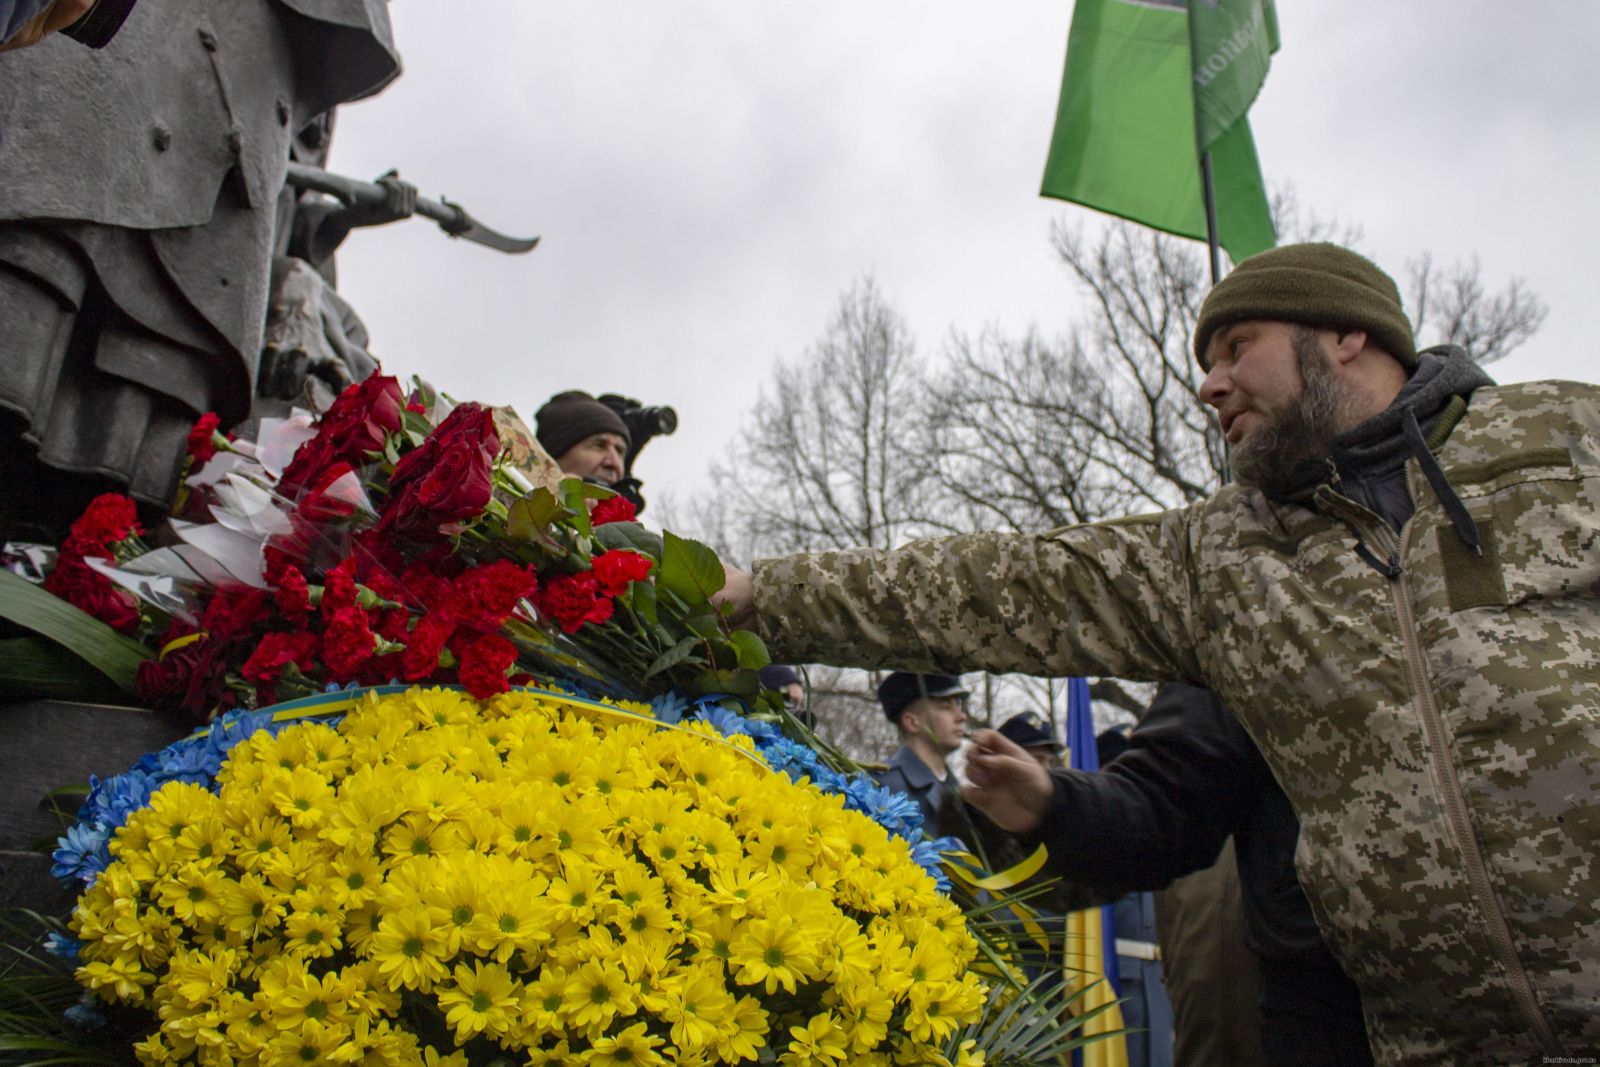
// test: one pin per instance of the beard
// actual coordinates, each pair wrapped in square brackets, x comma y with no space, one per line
[1270,458]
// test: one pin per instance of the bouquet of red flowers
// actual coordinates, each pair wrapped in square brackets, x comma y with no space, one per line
[397,537]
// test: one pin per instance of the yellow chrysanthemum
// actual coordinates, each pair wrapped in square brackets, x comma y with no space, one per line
[595,994]
[410,947]
[773,952]
[571,882]
[482,999]
[632,1047]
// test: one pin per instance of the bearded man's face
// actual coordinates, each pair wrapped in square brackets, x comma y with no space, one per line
[1278,400]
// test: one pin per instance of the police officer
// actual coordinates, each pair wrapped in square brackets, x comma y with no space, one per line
[930,712]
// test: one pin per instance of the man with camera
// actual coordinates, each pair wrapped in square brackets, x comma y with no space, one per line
[597,439]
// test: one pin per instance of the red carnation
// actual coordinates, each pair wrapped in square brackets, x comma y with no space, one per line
[615,569]
[484,597]
[448,478]
[425,586]
[91,592]
[291,591]
[484,662]
[573,600]
[275,652]
[202,445]
[613,509]
[423,645]
[109,518]
[339,587]
[234,612]
[347,644]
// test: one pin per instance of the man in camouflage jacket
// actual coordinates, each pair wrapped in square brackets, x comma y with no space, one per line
[1398,601]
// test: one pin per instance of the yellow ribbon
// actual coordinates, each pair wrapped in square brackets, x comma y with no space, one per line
[180,642]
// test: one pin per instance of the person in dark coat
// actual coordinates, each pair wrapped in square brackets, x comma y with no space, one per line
[1191,778]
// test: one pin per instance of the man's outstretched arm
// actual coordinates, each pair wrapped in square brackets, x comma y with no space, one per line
[1110,599]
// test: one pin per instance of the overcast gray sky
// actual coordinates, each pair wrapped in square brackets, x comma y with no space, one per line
[707,175]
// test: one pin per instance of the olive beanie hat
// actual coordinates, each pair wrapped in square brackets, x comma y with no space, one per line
[1319,285]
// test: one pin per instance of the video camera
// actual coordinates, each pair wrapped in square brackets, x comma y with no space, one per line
[643,423]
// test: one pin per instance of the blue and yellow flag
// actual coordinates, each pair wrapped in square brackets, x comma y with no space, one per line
[1091,945]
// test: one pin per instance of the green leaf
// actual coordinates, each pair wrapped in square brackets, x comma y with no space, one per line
[671,657]
[34,668]
[416,425]
[751,650]
[642,598]
[575,499]
[737,683]
[690,570]
[629,536]
[112,654]
[529,517]
[703,625]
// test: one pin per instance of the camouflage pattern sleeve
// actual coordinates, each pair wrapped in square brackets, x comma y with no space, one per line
[1111,598]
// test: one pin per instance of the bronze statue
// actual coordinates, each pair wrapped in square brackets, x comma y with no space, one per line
[142,206]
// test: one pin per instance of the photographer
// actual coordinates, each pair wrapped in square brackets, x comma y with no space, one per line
[597,439]
[586,438]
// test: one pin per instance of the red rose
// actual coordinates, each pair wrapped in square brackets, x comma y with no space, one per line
[615,569]
[484,597]
[109,518]
[310,459]
[448,478]
[316,505]
[613,509]
[484,662]
[357,425]
[573,600]
[202,446]
[347,644]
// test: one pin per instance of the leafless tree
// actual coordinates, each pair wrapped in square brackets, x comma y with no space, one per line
[827,459]
[1450,306]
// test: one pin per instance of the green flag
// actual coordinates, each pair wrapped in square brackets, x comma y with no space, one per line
[1231,42]
[1126,136]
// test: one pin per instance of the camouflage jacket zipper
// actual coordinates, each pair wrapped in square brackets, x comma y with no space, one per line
[1369,527]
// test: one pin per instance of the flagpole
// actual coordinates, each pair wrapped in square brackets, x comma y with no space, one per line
[1211,217]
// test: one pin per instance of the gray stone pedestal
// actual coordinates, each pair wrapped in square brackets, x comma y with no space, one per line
[47,744]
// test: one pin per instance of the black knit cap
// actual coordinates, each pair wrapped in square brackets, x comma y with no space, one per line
[1319,285]
[898,691]
[570,417]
